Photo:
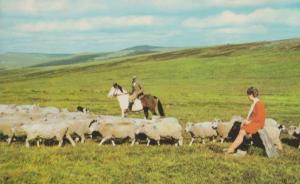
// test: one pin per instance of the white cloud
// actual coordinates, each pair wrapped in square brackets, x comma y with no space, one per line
[247,2]
[289,17]
[32,6]
[241,30]
[194,4]
[37,7]
[88,24]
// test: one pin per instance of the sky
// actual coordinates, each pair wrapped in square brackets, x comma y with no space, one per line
[72,26]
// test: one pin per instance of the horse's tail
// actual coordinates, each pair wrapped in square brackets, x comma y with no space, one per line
[160,107]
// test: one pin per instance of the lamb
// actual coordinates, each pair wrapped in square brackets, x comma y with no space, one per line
[223,130]
[112,131]
[48,110]
[80,126]
[7,109]
[11,126]
[47,131]
[295,131]
[117,119]
[227,130]
[11,130]
[162,128]
[201,130]
[27,108]
[78,123]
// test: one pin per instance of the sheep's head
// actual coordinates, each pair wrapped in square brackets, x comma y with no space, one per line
[282,128]
[189,126]
[216,122]
[292,130]
[65,110]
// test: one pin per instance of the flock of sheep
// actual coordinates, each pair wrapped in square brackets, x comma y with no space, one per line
[43,123]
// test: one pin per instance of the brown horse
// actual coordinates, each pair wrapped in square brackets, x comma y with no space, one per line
[150,102]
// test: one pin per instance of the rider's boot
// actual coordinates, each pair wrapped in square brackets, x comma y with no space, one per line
[130,106]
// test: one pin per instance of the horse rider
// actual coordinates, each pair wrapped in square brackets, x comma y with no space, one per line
[136,92]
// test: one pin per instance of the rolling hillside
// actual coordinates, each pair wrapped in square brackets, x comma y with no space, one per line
[194,84]
[16,60]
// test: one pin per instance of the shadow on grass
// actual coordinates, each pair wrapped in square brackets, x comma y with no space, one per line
[290,142]
[140,139]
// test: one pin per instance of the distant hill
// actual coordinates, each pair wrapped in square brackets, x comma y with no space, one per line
[16,60]
[75,59]
[143,48]
[99,57]
[19,60]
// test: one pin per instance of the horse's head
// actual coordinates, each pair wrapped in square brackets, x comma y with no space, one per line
[115,90]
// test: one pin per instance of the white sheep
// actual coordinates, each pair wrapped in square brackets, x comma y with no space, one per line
[201,130]
[120,130]
[7,109]
[47,131]
[11,126]
[27,108]
[164,128]
[78,122]
[224,128]
[48,110]
[80,126]
[11,130]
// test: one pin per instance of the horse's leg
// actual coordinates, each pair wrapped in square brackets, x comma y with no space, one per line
[146,112]
[153,107]
[153,111]
[122,113]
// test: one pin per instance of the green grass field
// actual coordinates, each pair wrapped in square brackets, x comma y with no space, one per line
[196,84]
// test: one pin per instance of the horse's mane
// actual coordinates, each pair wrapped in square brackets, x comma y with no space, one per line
[119,87]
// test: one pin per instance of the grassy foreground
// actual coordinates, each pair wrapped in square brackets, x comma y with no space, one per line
[193,85]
